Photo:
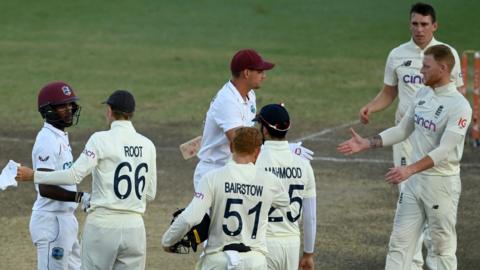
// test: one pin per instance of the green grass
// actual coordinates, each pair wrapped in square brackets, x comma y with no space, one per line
[174,55]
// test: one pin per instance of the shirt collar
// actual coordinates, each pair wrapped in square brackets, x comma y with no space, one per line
[122,124]
[445,89]
[55,130]
[431,43]
[236,93]
[281,145]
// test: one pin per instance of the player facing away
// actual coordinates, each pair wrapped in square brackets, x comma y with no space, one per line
[238,196]
[233,106]
[296,176]
[124,177]
[53,226]
[403,78]
[436,122]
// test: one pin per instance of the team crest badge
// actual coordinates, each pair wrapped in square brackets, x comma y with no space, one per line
[57,253]
[43,159]
[66,90]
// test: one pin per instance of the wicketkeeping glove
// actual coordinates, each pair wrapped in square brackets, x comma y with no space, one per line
[197,235]
[301,151]
[85,201]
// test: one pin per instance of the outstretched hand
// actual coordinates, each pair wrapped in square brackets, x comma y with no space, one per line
[24,174]
[356,144]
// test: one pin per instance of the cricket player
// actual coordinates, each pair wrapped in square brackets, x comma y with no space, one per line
[437,122]
[402,78]
[53,226]
[296,176]
[239,197]
[123,167]
[234,106]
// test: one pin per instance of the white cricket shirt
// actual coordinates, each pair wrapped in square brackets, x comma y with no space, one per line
[295,174]
[52,151]
[228,110]
[239,196]
[403,69]
[123,167]
[433,113]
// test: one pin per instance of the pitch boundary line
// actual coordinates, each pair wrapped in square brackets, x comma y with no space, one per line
[326,131]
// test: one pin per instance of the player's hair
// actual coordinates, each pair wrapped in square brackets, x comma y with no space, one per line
[442,53]
[236,74]
[246,140]
[121,115]
[424,9]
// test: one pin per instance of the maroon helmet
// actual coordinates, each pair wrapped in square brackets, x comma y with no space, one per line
[53,95]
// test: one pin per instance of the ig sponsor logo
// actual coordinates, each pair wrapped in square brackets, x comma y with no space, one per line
[462,122]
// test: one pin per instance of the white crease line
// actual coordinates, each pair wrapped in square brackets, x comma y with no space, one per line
[376,161]
[326,131]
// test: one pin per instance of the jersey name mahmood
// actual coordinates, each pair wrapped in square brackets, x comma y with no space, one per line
[285,172]
[243,189]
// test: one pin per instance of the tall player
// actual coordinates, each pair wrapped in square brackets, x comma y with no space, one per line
[403,79]
[124,177]
[296,176]
[238,196]
[53,226]
[234,106]
[437,122]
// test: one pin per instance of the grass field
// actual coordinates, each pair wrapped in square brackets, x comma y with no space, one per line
[174,56]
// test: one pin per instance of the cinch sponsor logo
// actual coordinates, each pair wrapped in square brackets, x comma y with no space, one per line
[428,124]
[89,153]
[412,78]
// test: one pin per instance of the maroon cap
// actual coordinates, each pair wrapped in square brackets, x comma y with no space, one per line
[249,59]
[56,93]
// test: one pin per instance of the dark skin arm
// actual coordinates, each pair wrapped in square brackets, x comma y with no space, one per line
[55,192]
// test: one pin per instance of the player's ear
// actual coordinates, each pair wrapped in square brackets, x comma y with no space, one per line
[231,146]
[256,152]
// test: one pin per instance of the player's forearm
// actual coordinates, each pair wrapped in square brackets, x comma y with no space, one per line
[421,165]
[64,177]
[449,141]
[58,193]
[176,231]
[384,99]
[309,224]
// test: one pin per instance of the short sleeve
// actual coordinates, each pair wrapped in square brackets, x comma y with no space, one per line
[227,114]
[456,74]
[310,189]
[43,154]
[390,77]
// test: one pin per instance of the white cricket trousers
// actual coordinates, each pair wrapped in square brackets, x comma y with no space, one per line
[432,200]
[402,156]
[55,237]
[283,252]
[251,260]
[113,240]
[201,169]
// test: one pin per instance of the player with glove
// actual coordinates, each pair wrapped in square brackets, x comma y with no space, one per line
[238,196]
[53,226]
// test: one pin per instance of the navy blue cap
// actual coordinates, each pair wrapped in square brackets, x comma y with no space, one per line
[274,116]
[121,101]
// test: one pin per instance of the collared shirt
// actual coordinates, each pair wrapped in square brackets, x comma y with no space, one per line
[432,114]
[403,70]
[52,151]
[228,110]
[123,167]
[239,196]
[296,176]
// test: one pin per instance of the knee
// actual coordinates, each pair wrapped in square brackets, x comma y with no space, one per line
[443,243]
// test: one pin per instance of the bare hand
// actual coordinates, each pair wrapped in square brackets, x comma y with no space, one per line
[306,262]
[397,175]
[364,114]
[24,174]
[354,145]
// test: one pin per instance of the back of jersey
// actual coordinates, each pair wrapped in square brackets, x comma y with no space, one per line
[125,173]
[242,196]
[296,176]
